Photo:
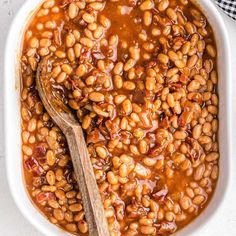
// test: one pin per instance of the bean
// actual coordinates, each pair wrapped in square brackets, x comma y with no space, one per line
[70,40]
[213,77]
[134,52]
[214,173]
[42,12]
[198,200]
[213,156]
[96,97]
[80,216]
[211,50]
[123,170]
[27,150]
[88,18]
[194,85]
[75,207]
[119,99]
[60,54]
[118,69]
[105,21]
[143,146]
[50,176]
[147,230]
[156,31]
[55,9]
[50,157]
[129,85]
[101,151]
[147,18]
[149,161]
[212,109]
[169,173]
[147,5]
[77,50]
[180,64]
[186,48]
[206,128]
[34,42]
[171,72]
[61,77]
[81,70]
[60,194]
[180,134]
[163,58]
[83,226]
[32,125]
[127,106]
[192,61]
[199,172]
[185,202]
[200,79]
[190,28]
[129,64]
[87,42]
[58,214]
[67,69]
[112,179]
[47,188]
[170,100]
[150,83]
[163,5]
[45,43]
[205,139]
[86,122]
[71,227]
[170,216]
[118,81]
[73,10]
[49,4]
[99,111]
[145,221]
[31,52]
[171,14]
[173,56]
[98,6]
[197,130]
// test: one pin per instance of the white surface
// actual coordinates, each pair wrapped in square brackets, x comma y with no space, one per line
[12,123]
[11,221]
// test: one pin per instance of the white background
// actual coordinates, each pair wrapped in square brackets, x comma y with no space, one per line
[12,222]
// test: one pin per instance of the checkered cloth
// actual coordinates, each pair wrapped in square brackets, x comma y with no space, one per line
[228,6]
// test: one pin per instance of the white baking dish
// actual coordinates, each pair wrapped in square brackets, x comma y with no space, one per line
[12,123]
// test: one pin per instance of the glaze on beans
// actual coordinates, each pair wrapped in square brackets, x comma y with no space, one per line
[141,77]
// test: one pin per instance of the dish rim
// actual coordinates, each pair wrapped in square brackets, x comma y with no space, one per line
[51,229]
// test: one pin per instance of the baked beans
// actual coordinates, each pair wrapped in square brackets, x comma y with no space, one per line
[141,77]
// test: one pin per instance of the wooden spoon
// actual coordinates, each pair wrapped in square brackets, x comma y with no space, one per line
[66,121]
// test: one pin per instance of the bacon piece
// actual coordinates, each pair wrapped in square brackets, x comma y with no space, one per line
[187,115]
[95,136]
[32,165]
[183,79]
[40,151]
[41,197]
[167,227]
[156,151]
[113,129]
[160,195]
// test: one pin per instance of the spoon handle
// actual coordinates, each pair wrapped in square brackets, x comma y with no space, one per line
[91,198]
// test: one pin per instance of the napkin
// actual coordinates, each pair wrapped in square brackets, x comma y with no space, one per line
[228,6]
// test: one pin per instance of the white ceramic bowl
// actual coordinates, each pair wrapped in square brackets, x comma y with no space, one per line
[12,123]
